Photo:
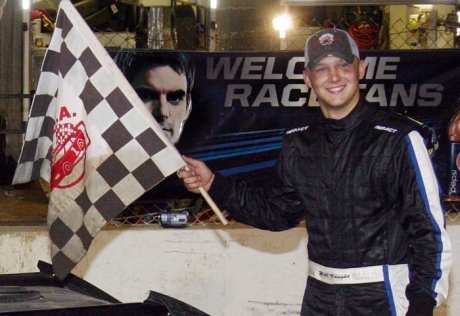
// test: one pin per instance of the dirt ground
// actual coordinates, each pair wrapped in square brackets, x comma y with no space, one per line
[23,205]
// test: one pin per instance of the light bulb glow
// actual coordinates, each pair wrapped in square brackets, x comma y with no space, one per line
[458,19]
[26,4]
[282,23]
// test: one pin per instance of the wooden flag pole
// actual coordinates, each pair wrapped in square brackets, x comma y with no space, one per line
[211,203]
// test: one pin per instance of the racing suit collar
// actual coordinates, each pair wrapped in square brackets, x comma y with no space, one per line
[351,120]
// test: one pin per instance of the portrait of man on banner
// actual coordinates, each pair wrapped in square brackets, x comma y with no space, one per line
[164,82]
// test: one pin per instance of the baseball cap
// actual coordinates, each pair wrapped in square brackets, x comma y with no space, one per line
[330,42]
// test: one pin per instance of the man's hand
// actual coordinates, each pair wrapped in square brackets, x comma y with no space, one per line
[196,174]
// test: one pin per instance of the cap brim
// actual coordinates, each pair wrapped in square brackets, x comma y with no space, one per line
[348,59]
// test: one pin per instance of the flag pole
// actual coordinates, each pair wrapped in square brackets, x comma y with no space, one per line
[213,205]
[211,202]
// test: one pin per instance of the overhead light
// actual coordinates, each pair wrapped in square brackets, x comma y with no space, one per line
[282,24]
[213,4]
[458,19]
[26,4]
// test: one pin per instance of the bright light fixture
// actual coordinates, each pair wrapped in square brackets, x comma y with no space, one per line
[213,4]
[282,23]
[26,4]
[458,19]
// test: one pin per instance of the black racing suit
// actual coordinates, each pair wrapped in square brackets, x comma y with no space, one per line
[366,187]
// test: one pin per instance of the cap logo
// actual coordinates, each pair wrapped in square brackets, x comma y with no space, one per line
[327,42]
[326,39]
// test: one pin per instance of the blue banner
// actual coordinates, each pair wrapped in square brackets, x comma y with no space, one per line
[241,102]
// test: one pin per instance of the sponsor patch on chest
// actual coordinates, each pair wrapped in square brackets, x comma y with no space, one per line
[297,129]
[386,128]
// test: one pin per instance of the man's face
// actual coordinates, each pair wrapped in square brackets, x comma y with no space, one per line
[164,93]
[336,84]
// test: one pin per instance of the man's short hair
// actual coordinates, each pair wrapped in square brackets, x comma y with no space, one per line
[131,63]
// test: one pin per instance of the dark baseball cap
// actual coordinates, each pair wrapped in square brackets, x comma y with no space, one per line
[330,42]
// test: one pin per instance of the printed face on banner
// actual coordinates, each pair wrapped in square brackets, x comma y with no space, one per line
[164,92]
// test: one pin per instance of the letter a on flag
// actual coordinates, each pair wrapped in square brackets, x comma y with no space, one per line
[91,137]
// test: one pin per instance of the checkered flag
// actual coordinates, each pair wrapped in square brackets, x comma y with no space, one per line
[91,137]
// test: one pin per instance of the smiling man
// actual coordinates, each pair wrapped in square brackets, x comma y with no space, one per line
[363,180]
[334,76]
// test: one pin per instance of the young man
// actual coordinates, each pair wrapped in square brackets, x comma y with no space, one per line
[164,82]
[364,182]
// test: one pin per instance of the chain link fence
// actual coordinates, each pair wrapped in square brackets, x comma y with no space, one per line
[452,211]
[387,34]
[373,27]
[192,212]
[170,214]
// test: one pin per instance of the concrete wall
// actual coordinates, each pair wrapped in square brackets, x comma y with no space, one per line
[222,271]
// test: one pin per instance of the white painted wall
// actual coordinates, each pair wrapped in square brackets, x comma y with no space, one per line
[222,271]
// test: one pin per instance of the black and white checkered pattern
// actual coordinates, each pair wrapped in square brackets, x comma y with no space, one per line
[117,153]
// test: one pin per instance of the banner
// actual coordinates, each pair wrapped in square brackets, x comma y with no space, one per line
[243,101]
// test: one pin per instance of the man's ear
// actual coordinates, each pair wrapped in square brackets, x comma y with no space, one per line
[362,69]
[189,108]
[306,78]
